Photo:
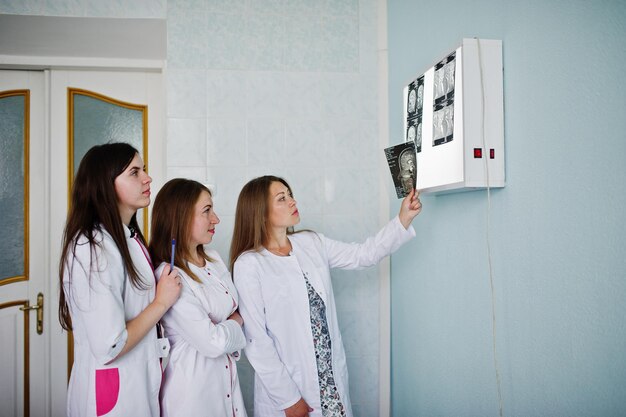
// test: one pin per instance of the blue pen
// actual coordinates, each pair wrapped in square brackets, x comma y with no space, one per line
[173,251]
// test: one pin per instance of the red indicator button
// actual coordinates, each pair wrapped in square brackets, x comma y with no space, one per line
[492,153]
[478,153]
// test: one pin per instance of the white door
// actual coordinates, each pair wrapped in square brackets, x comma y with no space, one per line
[24,340]
[59,99]
[123,91]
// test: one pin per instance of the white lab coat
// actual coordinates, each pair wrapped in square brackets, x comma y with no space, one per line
[274,304]
[101,300]
[201,376]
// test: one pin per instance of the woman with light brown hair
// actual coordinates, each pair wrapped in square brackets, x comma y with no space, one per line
[203,326]
[286,299]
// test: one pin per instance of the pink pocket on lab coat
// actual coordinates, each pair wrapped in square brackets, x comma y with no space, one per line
[107,390]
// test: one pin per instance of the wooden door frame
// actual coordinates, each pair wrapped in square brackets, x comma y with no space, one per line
[21,291]
[57,338]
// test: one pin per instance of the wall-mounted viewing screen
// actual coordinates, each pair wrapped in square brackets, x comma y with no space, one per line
[453,113]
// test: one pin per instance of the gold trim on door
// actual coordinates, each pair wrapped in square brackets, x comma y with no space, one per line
[24,304]
[71,92]
[26,94]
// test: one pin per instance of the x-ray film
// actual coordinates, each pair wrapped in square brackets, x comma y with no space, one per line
[402,162]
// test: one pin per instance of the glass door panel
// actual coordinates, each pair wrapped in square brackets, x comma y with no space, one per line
[96,119]
[14,107]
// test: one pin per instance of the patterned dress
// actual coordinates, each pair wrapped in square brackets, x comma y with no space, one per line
[329,396]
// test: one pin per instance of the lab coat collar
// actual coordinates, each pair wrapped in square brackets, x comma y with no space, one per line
[311,271]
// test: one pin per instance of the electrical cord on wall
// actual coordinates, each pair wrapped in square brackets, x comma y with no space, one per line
[493,295]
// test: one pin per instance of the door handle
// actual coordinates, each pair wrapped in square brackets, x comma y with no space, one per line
[39,308]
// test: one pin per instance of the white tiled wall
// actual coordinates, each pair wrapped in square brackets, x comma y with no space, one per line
[289,88]
[283,87]
[86,8]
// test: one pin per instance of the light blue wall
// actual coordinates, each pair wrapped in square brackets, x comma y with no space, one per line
[557,230]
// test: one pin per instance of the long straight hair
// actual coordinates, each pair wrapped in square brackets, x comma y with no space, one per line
[172,217]
[94,209]
[251,231]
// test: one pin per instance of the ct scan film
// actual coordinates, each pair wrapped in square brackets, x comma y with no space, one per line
[402,161]
[415,109]
[443,100]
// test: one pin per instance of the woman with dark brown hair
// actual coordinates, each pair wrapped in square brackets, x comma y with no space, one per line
[109,296]
[287,301]
[203,326]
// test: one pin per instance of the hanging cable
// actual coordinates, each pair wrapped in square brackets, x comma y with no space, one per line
[493,295]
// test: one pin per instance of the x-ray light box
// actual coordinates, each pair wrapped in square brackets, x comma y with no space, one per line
[454,114]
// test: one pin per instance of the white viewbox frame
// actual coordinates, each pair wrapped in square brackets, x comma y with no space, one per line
[478,124]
